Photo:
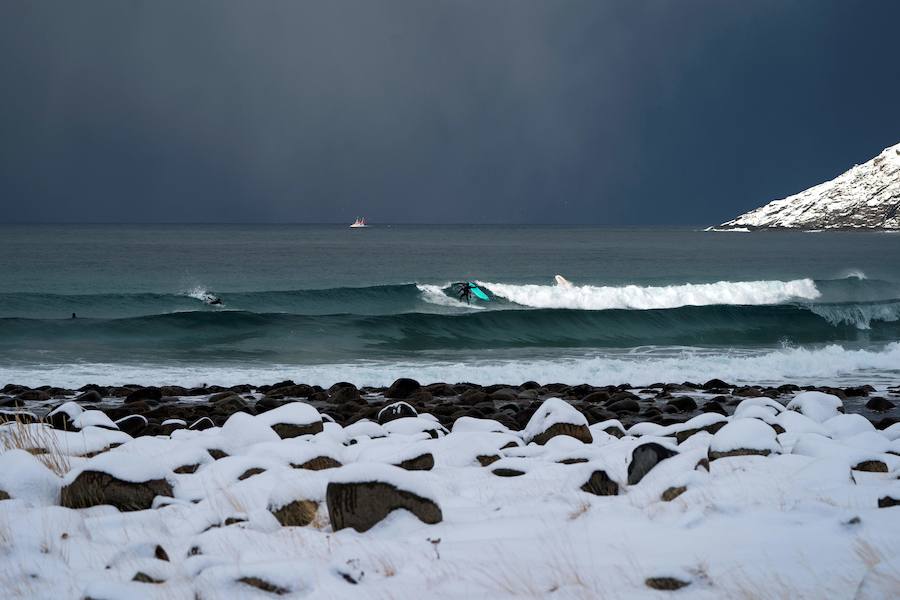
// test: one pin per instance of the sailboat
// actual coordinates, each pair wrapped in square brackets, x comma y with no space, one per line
[358,223]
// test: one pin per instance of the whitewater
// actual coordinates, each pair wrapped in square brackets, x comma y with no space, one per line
[634,297]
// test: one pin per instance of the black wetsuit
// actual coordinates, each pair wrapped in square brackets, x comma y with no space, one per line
[465,292]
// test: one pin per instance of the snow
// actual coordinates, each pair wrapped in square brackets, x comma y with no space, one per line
[93,417]
[749,434]
[866,196]
[292,413]
[24,477]
[818,406]
[798,523]
[553,411]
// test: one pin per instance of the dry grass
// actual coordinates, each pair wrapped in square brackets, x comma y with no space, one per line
[38,439]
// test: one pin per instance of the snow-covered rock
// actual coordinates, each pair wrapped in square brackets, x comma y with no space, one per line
[556,417]
[363,494]
[292,419]
[865,197]
[743,437]
[818,406]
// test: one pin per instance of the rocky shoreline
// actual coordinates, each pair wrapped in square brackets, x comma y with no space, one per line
[465,490]
[164,409]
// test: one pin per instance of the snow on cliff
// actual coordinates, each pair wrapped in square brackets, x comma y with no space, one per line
[867,196]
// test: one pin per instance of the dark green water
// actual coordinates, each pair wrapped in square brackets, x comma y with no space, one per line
[324,303]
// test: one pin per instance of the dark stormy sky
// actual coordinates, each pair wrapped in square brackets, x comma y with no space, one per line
[565,111]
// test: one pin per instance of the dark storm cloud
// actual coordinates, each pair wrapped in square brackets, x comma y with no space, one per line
[418,111]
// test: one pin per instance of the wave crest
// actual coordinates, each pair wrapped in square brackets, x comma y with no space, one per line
[633,297]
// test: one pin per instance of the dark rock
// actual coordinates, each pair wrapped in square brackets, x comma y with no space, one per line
[599,396]
[683,404]
[264,585]
[716,384]
[879,404]
[738,452]
[33,395]
[644,458]
[133,425]
[600,484]
[89,396]
[319,463]
[487,459]
[250,473]
[857,392]
[530,385]
[666,584]
[441,389]
[472,397]
[715,407]
[345,393]
[872,466]
[94,488]
[292,430]
[629,405]
[159,553]
[361,505]
[231,403]
[672,493]
[397,410]
[579,432]
[425,462]
[505,395]
[147,393]
[142,577]
[402,388]
[888,502]
[507,472]
[747,392]
[684,434]
[290,391]
[298,513]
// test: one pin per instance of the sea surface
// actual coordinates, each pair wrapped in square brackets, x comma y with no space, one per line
[324,303]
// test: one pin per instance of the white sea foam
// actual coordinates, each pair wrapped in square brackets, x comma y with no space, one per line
[589,297]
[829,365]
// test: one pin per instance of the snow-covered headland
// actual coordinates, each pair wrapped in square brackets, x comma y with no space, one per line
[865,197]
[762,493]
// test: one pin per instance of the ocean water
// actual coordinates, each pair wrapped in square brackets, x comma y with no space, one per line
[323,303]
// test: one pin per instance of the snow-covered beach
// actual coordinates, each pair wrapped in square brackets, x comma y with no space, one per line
[792,496]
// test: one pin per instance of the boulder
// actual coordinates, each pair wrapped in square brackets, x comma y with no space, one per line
[146,393]
[363,494]
[879,404]
[600,484]
[293,419]
[743,437]
[297,513]
[556,417]
[397,410]
[402,388]
[343,394]
[94,488]
[89,396]
[644,458]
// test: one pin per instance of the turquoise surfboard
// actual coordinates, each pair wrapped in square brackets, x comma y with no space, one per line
[478,293]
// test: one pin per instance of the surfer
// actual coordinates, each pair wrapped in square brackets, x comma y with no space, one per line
[464,292]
